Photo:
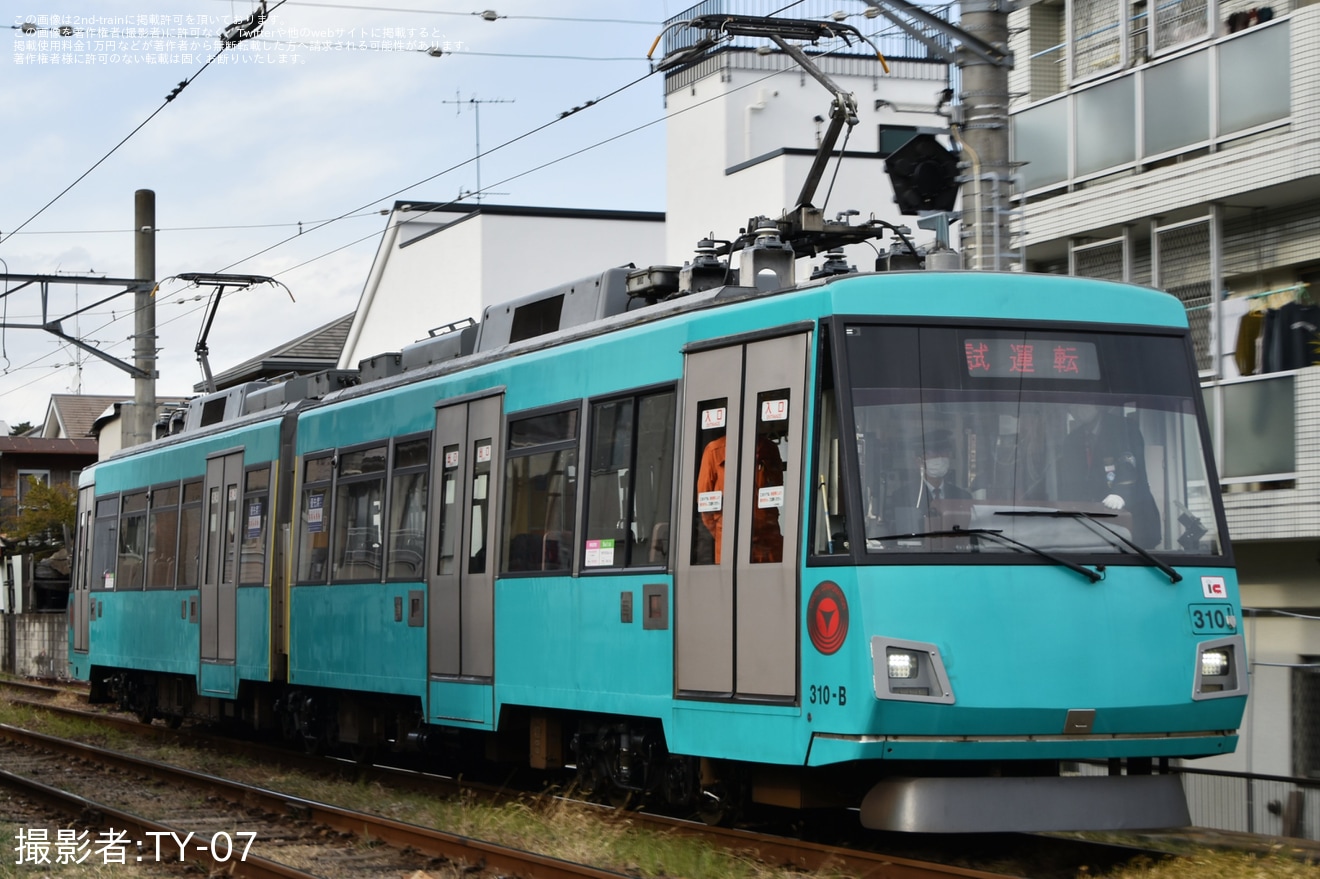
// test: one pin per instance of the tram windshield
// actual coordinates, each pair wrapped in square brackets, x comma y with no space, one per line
[1064,441]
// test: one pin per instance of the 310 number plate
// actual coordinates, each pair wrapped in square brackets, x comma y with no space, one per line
[1209,619]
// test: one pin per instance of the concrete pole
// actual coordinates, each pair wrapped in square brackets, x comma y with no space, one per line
[985,203]
[144,317]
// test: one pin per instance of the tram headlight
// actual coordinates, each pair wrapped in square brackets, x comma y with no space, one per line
[911,671]
[1219,669]
[902,664]
[1214,663]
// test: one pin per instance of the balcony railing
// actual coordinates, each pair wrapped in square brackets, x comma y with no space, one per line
[1183,102]
[1253,424]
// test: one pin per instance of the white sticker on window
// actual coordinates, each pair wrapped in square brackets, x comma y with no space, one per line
[774,410]
[712,419]
[483,454]
[770,496]
[451,459]
[710,501]
[599,554]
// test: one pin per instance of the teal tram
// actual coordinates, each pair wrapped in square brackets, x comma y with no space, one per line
[922,544]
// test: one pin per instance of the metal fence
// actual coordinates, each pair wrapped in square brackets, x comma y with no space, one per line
[1240,802]
[1267,804]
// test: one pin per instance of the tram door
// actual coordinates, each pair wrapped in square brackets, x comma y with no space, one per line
[80,604]
[736,572]
[461,583]
[222,499]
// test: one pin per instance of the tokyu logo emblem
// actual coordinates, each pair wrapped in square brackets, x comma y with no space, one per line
[827,617]
[1214,587]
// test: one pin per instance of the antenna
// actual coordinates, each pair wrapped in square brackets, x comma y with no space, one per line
[476,110]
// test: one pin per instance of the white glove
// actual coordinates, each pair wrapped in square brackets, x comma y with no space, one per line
[1113,501]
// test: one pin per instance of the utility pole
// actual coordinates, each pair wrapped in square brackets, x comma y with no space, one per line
[984,133]
[144,317]
[476,110]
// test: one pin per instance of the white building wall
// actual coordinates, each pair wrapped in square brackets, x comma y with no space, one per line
[430,273]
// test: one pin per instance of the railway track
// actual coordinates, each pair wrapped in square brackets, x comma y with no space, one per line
[768,848]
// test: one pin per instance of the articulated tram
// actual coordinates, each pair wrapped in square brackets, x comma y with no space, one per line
[918,543]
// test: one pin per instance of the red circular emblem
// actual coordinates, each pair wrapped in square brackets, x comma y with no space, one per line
[827,617]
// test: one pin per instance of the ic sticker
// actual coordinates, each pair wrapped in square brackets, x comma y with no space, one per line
[1213,587]
[827,617]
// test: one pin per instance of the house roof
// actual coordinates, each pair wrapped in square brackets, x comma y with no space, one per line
[310,352]
[72,415]
[33,445]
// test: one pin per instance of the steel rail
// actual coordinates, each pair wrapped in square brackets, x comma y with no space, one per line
[437,843]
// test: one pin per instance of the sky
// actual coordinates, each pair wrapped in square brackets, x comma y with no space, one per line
[280,156]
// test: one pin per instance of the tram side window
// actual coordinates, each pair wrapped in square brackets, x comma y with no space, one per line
[628,486]
[131,570]
[313,534]
[708,524]
[359,516]
[162,537]
[480,509]
[407,519]
[829,531]
[255,513]
[540,493]
[190,534]
[105,543]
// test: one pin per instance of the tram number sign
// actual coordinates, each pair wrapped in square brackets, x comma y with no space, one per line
[1210,619]
[824,694]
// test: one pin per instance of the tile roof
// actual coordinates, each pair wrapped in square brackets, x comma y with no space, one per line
[75,413]
[311,352]
[46,446]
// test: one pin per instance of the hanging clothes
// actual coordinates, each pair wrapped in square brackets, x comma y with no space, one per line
[1248,333]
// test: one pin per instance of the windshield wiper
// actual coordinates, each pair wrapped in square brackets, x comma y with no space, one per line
[995,534]
[1093,519]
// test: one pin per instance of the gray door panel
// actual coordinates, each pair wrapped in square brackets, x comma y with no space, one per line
[221,499]
[766,633]
[703,603]
[735,630]
[465,479]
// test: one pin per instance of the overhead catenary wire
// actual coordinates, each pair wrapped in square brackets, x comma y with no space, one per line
[143,124]
[363,210]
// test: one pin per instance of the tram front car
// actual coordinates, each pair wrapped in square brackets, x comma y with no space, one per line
[1034,555]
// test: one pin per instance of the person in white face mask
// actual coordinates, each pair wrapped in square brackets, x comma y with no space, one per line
[935,462]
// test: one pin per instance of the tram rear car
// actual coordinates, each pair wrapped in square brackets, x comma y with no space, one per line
[921,543]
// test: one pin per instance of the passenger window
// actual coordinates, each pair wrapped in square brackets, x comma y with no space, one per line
[162,537]
[449,523]
[407,522]
[481,451]
[255,513]
[628,490]
[359,516]
[540,493]
[105,544]
[766,494]
[131,569]
[825,494]
[190,534]
[708,523]
[313,536]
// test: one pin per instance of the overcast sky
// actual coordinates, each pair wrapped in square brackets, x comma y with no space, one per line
[336,109]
